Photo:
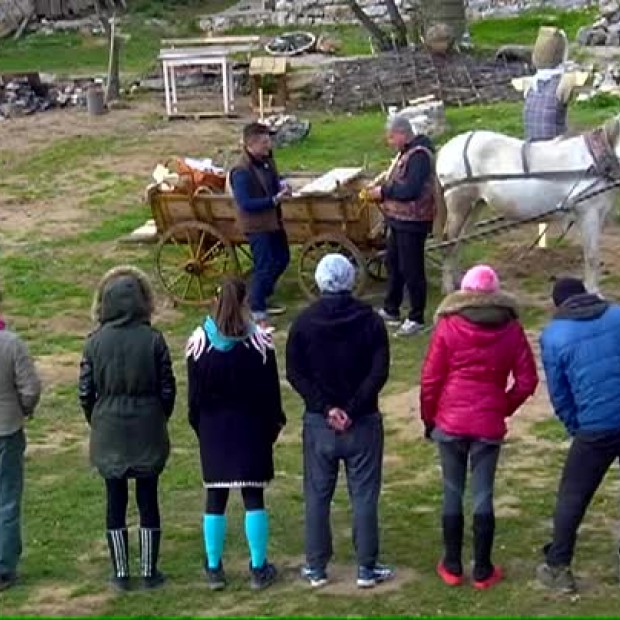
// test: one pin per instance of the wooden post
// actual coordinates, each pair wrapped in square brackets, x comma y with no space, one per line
[113,85]
[542,235]
[261,104]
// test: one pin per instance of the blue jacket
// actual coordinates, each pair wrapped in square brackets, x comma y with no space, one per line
[581,356]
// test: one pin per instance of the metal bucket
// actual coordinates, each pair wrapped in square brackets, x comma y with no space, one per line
[95,101]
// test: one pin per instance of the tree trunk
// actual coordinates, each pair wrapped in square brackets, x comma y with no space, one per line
[400,28]
[383,41]
[451,12]
[113,85]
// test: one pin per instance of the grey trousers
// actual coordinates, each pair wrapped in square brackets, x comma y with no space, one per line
[12,448]
[361,450]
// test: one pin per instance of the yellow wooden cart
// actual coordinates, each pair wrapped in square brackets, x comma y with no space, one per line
[200,242]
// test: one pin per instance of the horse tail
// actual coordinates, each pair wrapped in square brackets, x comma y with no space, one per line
[441,211]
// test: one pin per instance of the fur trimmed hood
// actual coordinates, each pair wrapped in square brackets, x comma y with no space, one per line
[487,308]
[124,293]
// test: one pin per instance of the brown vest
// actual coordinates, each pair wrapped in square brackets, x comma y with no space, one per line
[420,210]
[262,221]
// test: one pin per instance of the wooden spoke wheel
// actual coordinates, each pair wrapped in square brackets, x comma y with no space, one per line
[192,258]
[245,261]
[318,247]
[376,266]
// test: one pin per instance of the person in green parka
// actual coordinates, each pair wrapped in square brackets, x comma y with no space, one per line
[127,390]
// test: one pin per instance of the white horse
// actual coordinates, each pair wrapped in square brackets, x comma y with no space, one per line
[526,195]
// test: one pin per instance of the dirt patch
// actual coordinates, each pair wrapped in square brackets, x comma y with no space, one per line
[55,440]
[58,369]
[61,600]
[342,582]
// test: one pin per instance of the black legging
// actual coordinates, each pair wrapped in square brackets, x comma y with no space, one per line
[253,499]
[117,490]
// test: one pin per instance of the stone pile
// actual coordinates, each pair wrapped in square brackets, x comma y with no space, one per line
[21,96]
[605,31]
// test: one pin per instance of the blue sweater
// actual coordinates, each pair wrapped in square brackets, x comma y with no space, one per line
[581,356]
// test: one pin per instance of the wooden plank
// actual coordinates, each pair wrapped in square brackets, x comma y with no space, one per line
[329,182]
[227,40]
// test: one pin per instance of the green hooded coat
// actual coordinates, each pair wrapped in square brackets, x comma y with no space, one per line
[127,388]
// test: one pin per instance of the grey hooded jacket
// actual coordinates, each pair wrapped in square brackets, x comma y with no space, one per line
[20,387]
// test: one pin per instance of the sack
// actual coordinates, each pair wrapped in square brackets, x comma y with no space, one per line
[194,179]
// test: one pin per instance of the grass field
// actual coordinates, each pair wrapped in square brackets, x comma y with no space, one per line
[69,190]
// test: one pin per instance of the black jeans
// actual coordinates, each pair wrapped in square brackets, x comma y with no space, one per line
[271,256]
[482,457]
[406,268]
[117,490]
[361,449]
[587,462]
[217,499]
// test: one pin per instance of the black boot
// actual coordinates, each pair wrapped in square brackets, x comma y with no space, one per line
[118,545]
[149,553]
[453,543]
[484,533]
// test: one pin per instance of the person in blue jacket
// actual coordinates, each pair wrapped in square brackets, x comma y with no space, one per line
[581,356]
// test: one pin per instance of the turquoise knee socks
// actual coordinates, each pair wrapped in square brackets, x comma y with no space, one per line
[214,529]
[257,533]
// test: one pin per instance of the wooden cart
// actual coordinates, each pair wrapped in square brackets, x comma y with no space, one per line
[199,241]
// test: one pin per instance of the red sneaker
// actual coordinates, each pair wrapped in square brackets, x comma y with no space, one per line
[450,579]
[496,576]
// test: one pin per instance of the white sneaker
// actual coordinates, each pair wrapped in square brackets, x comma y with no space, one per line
[390,319]
[409,328]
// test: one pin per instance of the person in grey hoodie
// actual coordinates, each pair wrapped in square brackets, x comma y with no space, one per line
[20,390]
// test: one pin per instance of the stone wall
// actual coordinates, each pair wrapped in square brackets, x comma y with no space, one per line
[249,13]
[393,79]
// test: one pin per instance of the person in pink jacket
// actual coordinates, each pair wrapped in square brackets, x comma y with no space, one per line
[479,369]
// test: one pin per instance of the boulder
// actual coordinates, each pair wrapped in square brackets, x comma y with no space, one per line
[598,37]
[584,34]
[613,39]
[609,8]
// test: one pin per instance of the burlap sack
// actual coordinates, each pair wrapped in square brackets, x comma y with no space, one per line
[550,48]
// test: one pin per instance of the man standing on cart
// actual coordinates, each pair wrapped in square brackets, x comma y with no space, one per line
[408,203]
[258,192]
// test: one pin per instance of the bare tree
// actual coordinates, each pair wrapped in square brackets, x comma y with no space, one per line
[381,39]
[398,23]
[106,12]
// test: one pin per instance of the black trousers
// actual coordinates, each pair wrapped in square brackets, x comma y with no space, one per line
[361,450]
[217,499]
[406,268]
[117,490]
[587,462]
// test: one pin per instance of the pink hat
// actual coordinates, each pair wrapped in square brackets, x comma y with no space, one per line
[480,279]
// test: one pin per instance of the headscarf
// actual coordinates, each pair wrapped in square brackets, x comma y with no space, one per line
[335,274]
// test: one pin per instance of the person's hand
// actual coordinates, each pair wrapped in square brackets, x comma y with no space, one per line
[280,196]
[338,420]
[428,430]
[374,193]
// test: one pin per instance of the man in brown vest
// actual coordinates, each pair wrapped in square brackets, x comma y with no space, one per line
[258,192]
[409,207]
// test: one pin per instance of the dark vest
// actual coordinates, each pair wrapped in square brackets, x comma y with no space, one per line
[544,115]
[420,210]
[265,184]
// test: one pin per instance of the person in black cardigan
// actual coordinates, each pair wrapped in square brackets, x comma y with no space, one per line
[236,425]
[338,359]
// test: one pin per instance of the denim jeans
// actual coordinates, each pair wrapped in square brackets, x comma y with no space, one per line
[361,450]
[12,448]
[271,256]
[588,460]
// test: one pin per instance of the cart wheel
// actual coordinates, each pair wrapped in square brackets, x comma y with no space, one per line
[316,248]
[376,267]
[192,258]
[245,261]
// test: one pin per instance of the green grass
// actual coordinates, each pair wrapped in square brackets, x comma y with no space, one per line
[48,285]
[523,29]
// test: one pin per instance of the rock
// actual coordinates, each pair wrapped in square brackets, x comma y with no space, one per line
[601,23]
[613,39]
[327,44]
[515,53]
[598,37]
[584,34]
[607,9]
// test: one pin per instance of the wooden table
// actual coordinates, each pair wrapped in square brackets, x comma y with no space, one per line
[172,59]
